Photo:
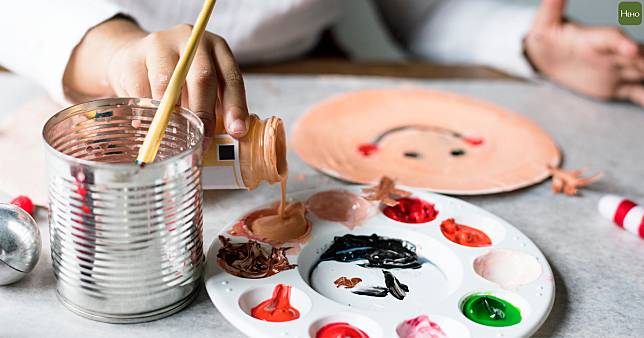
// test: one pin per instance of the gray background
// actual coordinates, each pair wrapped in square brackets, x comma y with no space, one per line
[361,33]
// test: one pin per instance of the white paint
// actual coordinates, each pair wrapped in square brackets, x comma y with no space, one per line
[509,269]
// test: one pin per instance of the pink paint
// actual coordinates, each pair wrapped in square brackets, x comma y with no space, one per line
[340,206]
[420,327]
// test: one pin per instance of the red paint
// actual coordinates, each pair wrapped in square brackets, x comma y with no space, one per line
[278,308]
[463,234]
[367,149]
[83,193]
[411,210]
[622,209]
[474,141]
[24,203]
[340,330]
[640,230]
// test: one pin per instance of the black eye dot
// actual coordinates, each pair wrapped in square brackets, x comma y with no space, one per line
[457,152]
[412,154]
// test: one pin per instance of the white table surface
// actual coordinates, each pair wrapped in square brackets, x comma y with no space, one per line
[599,268]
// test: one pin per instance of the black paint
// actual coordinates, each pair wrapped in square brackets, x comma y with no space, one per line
[412,154]
[373,291]
[379,252]
[457,152]
[394,287]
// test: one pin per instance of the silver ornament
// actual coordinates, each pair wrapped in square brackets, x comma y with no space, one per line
[19,243]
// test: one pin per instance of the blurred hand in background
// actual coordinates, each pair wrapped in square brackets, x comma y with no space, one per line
[600,62]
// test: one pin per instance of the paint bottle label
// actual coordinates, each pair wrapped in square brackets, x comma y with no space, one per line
[221,167]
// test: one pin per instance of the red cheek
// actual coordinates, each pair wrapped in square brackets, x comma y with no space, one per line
[474,141]
[367,149]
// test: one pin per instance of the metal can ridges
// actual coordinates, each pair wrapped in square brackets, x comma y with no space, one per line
[126,242]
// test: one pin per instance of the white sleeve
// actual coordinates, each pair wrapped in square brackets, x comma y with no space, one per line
[37,37]
[488,32]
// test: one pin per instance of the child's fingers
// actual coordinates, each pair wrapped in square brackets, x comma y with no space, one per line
[160,63]
[201,83]
[612,40]
[631,74]
[232,89]
[137,84]
[631,91]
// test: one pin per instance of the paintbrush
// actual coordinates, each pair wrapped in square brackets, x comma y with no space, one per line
[150,147]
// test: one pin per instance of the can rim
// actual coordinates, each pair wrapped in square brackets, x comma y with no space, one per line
[115,101]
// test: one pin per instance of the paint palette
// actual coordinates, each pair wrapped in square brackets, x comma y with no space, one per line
[456,271]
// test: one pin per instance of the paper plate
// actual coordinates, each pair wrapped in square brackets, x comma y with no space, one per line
[511,268]
[425,139]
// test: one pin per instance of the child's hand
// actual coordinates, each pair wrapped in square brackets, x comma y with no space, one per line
[600,62]
[118,58]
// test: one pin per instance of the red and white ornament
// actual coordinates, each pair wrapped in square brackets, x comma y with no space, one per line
[623,212]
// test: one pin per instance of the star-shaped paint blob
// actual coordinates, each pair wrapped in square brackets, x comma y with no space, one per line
[386,192]
[570,181]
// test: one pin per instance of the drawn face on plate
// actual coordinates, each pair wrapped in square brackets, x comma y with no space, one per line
[424,139]
[420,144]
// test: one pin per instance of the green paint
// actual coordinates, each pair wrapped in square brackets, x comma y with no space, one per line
[491,311]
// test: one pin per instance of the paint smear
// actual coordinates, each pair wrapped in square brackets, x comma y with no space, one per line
[419,327]
[136,124]
[348,283]
[473,141]
[367,149]
[377,251]
[411,210]
[463,234]
[508,269]
[340,206]
[249,260]
[340,330]
[267,225]
[278,308]
[392,287]
[491,311]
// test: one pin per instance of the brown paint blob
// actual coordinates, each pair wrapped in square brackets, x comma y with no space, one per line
[385,192]
[249,260]
[278,308]
[463,234]
[340,206]
[348,283]
[267,225]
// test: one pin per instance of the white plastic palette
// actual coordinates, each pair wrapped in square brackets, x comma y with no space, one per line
[437,290]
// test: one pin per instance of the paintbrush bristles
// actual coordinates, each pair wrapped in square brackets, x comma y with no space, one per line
[150,147]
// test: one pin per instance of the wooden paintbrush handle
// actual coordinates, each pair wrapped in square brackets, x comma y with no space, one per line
[150,147]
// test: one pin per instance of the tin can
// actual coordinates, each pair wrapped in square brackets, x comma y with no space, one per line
[126,241]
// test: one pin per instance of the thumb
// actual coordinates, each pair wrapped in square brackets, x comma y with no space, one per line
[550,13]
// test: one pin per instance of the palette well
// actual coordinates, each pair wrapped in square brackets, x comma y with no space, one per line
[381,277]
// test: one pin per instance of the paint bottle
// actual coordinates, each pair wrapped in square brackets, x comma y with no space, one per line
[623,212]
[243,164]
